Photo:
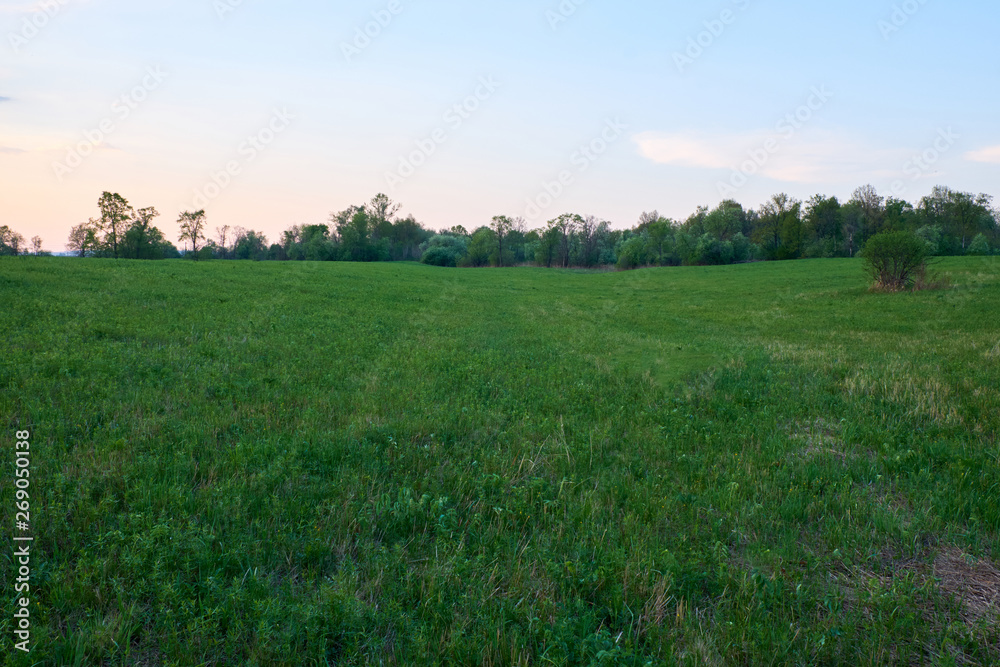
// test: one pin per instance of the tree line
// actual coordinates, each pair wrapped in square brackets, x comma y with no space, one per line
[949,222]
[12,243]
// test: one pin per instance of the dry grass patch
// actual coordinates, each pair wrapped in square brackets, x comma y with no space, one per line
[975,583]
[925,279]
[928,397]
[820,437]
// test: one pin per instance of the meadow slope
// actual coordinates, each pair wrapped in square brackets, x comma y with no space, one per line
[240,463]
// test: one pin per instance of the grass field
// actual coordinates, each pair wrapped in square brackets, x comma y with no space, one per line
[333,464]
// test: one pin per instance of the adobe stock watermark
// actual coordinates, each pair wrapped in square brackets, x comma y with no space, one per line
[785,129]
[225,7]
[922,163]
[366,34]
[714,29]
[901,15]
[585,156]
[453,118]
[248,151]
[21,562]
[563,13]
[121,109]
[32,26]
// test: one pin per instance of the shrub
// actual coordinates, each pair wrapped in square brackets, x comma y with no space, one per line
[979,245]
[712,251]
[632,253]
[444,250]
[822,248]
[931,234]
[439,256]
[895,259]
[607,257]
[480,248]
[741,248]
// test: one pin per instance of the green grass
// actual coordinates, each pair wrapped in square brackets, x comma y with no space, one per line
[336,464]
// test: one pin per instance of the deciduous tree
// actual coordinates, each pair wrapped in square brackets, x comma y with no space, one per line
[872,207]
[381,211]
[11,243]
[83,238]
[115,215]
[562,227]
[501,226]
[192,228]
[221,236]
[142,239]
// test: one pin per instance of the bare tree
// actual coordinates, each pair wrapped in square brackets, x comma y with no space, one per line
[381,210]
[872,206]
[648,218]
[221,233]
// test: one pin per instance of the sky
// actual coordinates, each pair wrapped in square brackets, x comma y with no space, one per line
[270,114]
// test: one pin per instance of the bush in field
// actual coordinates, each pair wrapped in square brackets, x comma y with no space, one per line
[712,251]
[632,253]
[742,250]
[979,245]
[444,250]
[250,245]
[895,259]
[480,248]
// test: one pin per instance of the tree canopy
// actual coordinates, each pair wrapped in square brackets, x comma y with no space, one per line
[948,222]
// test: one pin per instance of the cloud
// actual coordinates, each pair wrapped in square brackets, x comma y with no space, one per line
[35,7]
[4,99]
[12,151]
[687,150]
[20,8]
[807,156]
[990,155]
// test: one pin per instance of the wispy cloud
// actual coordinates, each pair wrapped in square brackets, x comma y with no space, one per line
[20,8]
[50,145]
[813,157]
[990,155]
[4,99]
[689,150]
[35,7]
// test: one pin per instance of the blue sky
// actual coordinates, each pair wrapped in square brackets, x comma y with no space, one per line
[268,93]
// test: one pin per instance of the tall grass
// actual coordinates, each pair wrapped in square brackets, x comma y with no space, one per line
[333,464]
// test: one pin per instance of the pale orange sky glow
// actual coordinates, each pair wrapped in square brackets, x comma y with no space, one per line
[495,102]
